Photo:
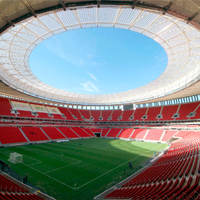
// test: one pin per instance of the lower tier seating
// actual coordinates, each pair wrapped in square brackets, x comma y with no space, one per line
[175,175]
[53,133]
[68,132]
[16,196]
[9,135]
[11,190]
[34,133]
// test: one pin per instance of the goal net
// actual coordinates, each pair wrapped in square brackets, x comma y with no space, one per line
[15,158]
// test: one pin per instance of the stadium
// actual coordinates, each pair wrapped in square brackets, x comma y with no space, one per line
[142,143]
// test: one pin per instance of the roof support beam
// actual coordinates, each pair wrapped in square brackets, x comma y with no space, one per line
[134,3]
[192,17]
[63,5]
[29,7]
[166,8]
[98,3]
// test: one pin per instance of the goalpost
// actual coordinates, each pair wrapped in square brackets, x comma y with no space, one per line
[15,158]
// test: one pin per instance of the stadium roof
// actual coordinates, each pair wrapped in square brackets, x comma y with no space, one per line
[37,20]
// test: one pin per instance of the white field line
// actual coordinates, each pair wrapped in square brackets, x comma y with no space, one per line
[76,188]
[36,163]
[75,163]
[73,188]
[103,174]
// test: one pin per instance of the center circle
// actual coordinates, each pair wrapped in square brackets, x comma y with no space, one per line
[98,60]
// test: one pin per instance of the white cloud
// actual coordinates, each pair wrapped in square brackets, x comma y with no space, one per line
[92,76]
[58,50]
[89,86]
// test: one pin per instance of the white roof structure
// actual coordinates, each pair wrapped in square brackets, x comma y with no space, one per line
[180,40]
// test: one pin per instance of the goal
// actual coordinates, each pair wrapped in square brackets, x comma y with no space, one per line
[15,158]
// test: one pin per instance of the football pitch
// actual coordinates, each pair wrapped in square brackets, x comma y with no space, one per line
[80,169]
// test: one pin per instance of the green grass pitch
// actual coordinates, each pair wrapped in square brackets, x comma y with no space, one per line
[80,169]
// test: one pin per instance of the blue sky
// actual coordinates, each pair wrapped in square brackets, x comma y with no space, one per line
[98,60]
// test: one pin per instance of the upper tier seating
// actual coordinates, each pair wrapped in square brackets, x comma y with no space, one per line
[107,115]
[85,114]
[127,115]
[5,107]
[116,115]
[96,115]
[67,113]
[168,112]
[76,114]
[153,112]
[139,113]
[187,111]
[22,113]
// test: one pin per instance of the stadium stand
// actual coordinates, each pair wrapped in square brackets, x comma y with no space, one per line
[113,132]
[85,114]
[139,113]
[35,134]
[11,190]
[127,114]
[139,134]
[81,132]
[175,175]
[68,132]
[153,112]
[187,111]
[26,114]
[154,134]
[168,112]
[5,107]
[168,135]
[96,115]
[106,115]
[116,115]
[76,114]
[105,131]
[10,135]
[126,133]
[53,133]
[66,112]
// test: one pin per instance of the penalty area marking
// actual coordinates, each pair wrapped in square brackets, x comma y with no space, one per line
[103,174]
[73,188]
[75,163]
